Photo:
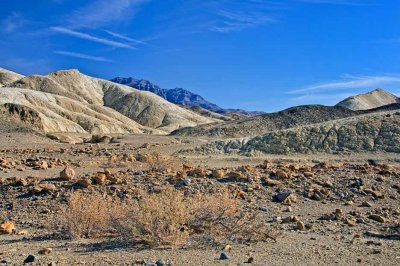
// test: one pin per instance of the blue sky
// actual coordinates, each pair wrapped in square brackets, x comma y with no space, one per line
[251,54]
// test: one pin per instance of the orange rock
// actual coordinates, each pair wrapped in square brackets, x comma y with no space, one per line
[84,182]
[308,174]
[108,174]
[240,194]
[218,173]
[7,228]
[267,164]
[282,174]
[294,167]
[100,178]
[272,182]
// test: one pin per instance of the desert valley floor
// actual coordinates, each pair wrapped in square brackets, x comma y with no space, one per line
[339,209]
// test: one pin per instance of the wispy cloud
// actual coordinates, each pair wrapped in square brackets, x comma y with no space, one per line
[83,56]
[13,22]
[237,15]
[320,98]
[123,37]
[231,20]
[101,13]
[352,82]
[91,38]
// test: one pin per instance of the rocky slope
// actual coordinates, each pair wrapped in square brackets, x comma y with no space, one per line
[207,113]
[370,100]
[370,132]
[7,76]
[257,125]
[69,101]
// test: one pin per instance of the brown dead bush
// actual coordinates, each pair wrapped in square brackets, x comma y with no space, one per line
[168,218]
[87,215]
[159,162]
[157,219]
[220,218]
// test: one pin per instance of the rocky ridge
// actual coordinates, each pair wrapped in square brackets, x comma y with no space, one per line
[370,132]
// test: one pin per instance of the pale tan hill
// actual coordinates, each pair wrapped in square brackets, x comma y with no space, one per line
[206,113]
[97,106]
[370,100]
[7,76]
[54,113]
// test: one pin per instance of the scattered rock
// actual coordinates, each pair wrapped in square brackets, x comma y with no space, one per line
[227,248]
[161,262]
[43,165]
[7,228]
[366,204]
[250,260]
[308,174]
[377,218]
[285,197]
[282,174]
[100,178]
[45,251]
[224,256]
[219,173]
[350,222]
[30,259]
[6,261]
[272,182]
[85,182]
[300,225]
[46,187]
[67,174]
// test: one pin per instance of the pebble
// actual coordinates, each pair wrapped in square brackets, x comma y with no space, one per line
[224,256]
[161,262]
[366,204]
[300,225]
[250,260]
[45,251]
[227,248]
[30,259]
[6,261]
[377,218]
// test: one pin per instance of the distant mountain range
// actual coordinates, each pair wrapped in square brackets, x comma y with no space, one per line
[179,96]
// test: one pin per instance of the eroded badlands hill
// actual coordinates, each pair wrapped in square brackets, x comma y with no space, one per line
[370,100]
[69,101]
[7,76]
[374,132]
[257,125]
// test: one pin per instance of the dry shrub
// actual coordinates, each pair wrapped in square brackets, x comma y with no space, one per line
[220,218]
[87,215]
[159,162]
[171,219]
[157,219]
[167,218]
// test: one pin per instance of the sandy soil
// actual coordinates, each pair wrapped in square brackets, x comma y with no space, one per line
[367,242]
